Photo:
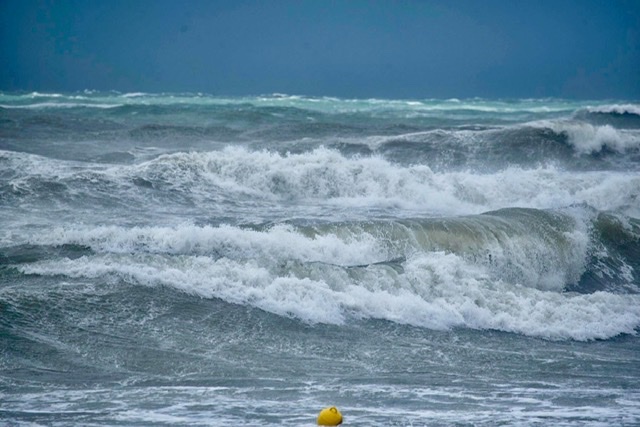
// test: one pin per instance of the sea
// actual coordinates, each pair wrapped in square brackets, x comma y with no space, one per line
[184,259]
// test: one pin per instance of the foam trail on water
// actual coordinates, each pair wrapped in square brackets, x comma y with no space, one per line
[53,105]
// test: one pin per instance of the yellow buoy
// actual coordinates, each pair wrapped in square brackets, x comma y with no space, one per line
[330,417]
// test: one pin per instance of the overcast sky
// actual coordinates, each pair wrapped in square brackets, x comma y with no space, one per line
[389,49]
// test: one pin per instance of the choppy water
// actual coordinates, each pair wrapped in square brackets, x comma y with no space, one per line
[183,259]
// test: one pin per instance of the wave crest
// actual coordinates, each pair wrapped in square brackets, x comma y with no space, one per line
[587,138]
[505,270]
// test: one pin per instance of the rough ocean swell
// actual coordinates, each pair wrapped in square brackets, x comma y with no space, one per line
[422,225]
[516,216]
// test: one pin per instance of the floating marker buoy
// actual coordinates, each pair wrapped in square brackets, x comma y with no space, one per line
[330,417]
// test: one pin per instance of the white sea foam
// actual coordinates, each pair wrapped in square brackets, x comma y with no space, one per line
[587,138]
[616,108]
[41,105]
[326,175]
[356,240]
[592,139]
[135,95]
[332,105]
[330,279]
[437,291]
[279,243]
[46,95]
[518,250]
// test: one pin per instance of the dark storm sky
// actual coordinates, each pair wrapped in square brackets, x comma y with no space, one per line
[388,49]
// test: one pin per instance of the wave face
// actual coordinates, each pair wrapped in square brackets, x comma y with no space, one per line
[555,274]
[162,247]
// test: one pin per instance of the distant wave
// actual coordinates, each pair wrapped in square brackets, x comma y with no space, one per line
[134,94]
[327,104]
[45,105]
[620,109]
[587,138]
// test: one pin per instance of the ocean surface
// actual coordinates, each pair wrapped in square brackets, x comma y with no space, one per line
[194,260]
